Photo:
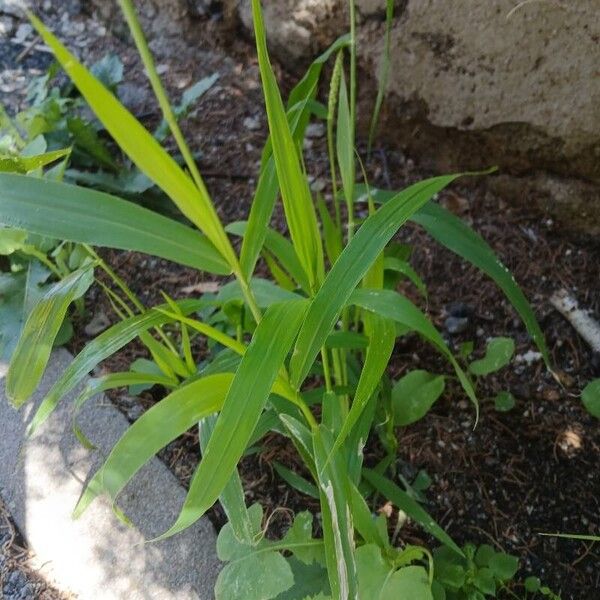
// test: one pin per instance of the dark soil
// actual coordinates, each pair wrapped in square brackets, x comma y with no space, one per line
[517,474]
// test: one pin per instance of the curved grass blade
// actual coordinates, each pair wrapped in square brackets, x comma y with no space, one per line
[457,236]
[298,206]
[266,192]
[391,305]
[141,147]
[35,344]
[296,481]
[338,529]
[243,406]
[100,348]
[165,421]
[384,73]
[411,507]
[382,336]
[352,265]
[232,497]
[97,385]
[77,214]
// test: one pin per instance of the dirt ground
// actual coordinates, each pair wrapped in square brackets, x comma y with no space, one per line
[517,474]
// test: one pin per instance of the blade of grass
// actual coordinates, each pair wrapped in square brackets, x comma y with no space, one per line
[350,268]
[100,348]
[384,73]
[35,344]
[298,206]
[394,306]
[412,508]
[457,236]
[242,408]
[338,529]
[158,426]
[76,214]
[141,147]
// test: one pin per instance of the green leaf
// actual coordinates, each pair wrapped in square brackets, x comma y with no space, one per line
[377,579]
[158,426]
[457,236]
[37,339]
[12,240]
[76,214]
[257,576]
[338,531]
[392,263]
[345,142]
[296,481]
[403,501]
[20,292]
[116,380]
[297,202]
[299,540]
[484,581]
[392,305]
[283,250]
[243,406]
[352,265]
[532,584]
[109,70]
[232,497]
[309,580]
[256,569]
[382,336]
[100,348]
[414,394]
[504,566]
[86,138]
[366,524]
[498,353]
[25,164]
[504,401]
[591,397]
[141,147]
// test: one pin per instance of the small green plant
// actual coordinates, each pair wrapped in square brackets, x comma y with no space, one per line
[480,573]
[304,355]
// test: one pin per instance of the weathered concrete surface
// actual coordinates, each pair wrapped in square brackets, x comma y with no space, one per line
[97,557]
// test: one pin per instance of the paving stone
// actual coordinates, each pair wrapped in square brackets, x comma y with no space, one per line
[97,557]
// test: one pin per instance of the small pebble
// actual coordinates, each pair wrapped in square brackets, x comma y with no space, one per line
[456,325]
[315,130]
[252,123]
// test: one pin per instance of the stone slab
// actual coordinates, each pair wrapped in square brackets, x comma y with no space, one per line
[97,557]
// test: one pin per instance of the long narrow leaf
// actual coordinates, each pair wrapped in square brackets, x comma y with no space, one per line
[33,349]
[411,507]
[243,406]
[100,348]
[338,529]
[141,146]
[77,214]
[457,236]
[299,210]
[352,265]
[160,425]
[232,497]
[391,305]
[382,336]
